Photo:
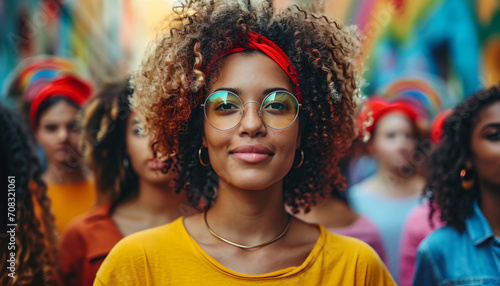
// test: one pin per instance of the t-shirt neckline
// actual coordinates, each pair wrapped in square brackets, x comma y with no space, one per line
[278,274]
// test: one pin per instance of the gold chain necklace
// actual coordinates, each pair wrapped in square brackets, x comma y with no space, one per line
[248,246]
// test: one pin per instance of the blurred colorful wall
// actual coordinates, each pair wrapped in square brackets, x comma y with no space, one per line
[454,44]
[106,37]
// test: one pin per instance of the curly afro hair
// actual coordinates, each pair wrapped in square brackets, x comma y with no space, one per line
[325,53]
[444,187]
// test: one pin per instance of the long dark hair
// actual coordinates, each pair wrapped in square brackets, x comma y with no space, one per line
[445,188]
[105,125]
[35,233]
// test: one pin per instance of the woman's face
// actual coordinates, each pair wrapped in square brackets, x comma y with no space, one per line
[140,154]
[394,141]
[251,156]
[486,146]
[58,133]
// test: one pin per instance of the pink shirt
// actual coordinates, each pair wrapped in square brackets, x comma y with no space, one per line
[364,229]
[416,228]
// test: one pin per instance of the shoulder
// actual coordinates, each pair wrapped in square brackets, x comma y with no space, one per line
[437,246]
[358,259]
[345,246]
[84,222]
[440,237]
[151,238]
[143,251]
[359,190]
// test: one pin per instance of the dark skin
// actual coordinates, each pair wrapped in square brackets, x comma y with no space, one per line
[486,163]
[249,208]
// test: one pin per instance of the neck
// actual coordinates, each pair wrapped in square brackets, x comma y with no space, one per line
[331,213]
[248,217]
[62,173]
[490,200]
[397,183]
[160,200]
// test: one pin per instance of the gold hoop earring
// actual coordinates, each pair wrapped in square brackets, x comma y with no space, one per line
[467,183]
[201,160]
[301,160]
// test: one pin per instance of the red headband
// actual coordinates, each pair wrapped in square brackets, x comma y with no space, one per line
[375,108]
[66,86]
[261,43]
[437,125]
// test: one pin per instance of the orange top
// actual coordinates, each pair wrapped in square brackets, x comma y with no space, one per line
[70,200]
[86,242]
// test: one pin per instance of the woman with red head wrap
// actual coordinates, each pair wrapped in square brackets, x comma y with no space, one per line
[54,120]
[389,132]
[257,106]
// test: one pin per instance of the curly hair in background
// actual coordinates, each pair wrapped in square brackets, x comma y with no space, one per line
[171,85]
[35,240]
[444,187]
[105,125]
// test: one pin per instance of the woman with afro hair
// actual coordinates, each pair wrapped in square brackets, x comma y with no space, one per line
[257,107]
[28,236]
[465,187]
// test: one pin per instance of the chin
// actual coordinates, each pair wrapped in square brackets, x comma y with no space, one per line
[250,182]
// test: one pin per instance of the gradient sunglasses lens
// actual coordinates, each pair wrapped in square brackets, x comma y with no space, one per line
[224,109]
[279,109]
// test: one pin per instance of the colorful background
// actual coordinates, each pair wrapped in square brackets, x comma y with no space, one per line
[437,50]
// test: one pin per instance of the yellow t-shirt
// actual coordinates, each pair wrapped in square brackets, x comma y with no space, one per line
[168,255]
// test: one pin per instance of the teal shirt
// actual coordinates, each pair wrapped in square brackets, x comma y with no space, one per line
[389,216]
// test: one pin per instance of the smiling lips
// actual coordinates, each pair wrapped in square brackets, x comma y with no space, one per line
[252,154]
[155,165]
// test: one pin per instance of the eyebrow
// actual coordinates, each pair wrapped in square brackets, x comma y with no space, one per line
[136,121]
[494,125]
[238,91]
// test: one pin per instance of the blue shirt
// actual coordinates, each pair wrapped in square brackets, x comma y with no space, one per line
[389,215]
[448,257]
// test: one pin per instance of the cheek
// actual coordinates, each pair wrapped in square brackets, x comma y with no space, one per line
[487,159]
[137,150]
[74,138]
[46,140]
[383,146]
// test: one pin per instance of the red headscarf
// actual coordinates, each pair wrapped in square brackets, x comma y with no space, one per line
[375,108]
[66,86]
[259,42]
[437,125]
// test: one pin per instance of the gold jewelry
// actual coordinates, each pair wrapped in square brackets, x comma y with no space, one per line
[248,246]
[199,157]
[301,160]
[467,183]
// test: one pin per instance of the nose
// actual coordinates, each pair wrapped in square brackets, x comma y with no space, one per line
[251,123]
[62,134]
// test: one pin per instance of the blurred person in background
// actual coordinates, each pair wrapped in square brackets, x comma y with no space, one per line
[54,119]
[137,189]
[418,225]
[335,214]
[465,187]
[28,252]
[390,134]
